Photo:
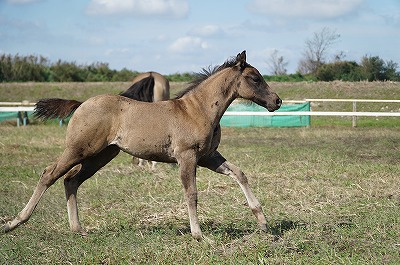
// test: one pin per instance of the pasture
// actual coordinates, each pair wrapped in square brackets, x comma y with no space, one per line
[330,194]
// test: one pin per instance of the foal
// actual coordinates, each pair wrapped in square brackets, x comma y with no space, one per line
[184,130]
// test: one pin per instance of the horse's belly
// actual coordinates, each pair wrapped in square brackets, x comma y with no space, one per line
[147,147]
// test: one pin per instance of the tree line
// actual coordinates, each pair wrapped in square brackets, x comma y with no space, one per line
[315,64]
[18,68]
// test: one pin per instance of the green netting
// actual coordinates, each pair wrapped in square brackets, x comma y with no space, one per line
[6,116]
[266,121]
[235,121]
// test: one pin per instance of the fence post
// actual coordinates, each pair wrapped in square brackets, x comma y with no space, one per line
[354,122]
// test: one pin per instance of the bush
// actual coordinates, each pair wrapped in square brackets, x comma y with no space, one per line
[297,77]
[38,69]
[346,71]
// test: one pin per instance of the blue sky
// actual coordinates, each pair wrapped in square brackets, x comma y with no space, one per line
[172,36]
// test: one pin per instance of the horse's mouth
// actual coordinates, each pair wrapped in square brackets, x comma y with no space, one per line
[272,108]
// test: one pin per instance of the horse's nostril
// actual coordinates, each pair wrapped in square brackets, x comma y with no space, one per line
[278,101]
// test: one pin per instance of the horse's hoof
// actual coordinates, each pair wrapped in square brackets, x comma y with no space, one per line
[197,236]
[6,228]
[81,232]
[263,227]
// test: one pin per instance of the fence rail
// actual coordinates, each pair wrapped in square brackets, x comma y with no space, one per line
[17,103]
[16,109]
[25,107]
[312,113]
[354,114]
[355,101]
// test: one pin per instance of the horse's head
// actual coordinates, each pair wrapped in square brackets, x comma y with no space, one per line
[252,85]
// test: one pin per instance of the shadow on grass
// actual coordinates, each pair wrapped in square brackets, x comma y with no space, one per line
[281,227]
[229,231]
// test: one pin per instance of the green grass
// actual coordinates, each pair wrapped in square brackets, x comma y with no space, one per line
[330,194]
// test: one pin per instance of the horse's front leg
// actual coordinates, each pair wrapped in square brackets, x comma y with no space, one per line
[187,169]
[216,162]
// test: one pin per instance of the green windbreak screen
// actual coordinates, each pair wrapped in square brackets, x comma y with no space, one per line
[238,121]
[4,116]
[266,121]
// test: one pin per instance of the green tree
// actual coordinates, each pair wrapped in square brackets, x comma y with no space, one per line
[390,70]
[65,72]
[372,68]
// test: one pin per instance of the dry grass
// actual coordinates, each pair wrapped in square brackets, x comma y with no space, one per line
[300,90]
[331,197]
[330,193]
[32,92]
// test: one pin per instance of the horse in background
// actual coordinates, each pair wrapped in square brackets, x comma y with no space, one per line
[148,87]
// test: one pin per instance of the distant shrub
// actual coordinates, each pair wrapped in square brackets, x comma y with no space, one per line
[17,68]
[178,77]
[297,77]
[346,71]
[371,69]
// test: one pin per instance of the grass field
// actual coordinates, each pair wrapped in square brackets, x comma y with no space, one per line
[331,196]
[330,192]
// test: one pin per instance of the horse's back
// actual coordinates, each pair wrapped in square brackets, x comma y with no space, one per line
[117,111]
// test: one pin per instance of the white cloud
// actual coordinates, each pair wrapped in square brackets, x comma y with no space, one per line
[188,44]
[207,31]
[305,8]
[164,8]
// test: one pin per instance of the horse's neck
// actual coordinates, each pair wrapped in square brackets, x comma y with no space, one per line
[213,96]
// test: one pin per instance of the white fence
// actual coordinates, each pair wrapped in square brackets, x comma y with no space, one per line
[19,107]
[24,107]
[353,113]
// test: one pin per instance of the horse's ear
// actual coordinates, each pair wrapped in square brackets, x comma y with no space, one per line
[241,60]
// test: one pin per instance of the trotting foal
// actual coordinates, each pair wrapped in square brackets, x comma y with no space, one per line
[184,130]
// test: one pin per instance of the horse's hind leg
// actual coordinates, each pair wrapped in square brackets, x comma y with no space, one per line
[218,163]
[75,178]
[48,177]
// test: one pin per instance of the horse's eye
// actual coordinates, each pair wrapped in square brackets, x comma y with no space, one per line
[256,79]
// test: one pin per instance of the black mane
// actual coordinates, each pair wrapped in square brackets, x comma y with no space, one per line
[204,74]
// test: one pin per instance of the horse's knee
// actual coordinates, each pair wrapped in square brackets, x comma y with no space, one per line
[241,177]
[47,178]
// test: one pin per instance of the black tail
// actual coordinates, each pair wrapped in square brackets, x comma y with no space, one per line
[142,90]
[51,108]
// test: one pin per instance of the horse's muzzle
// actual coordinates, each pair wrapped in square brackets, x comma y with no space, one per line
[277,104]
